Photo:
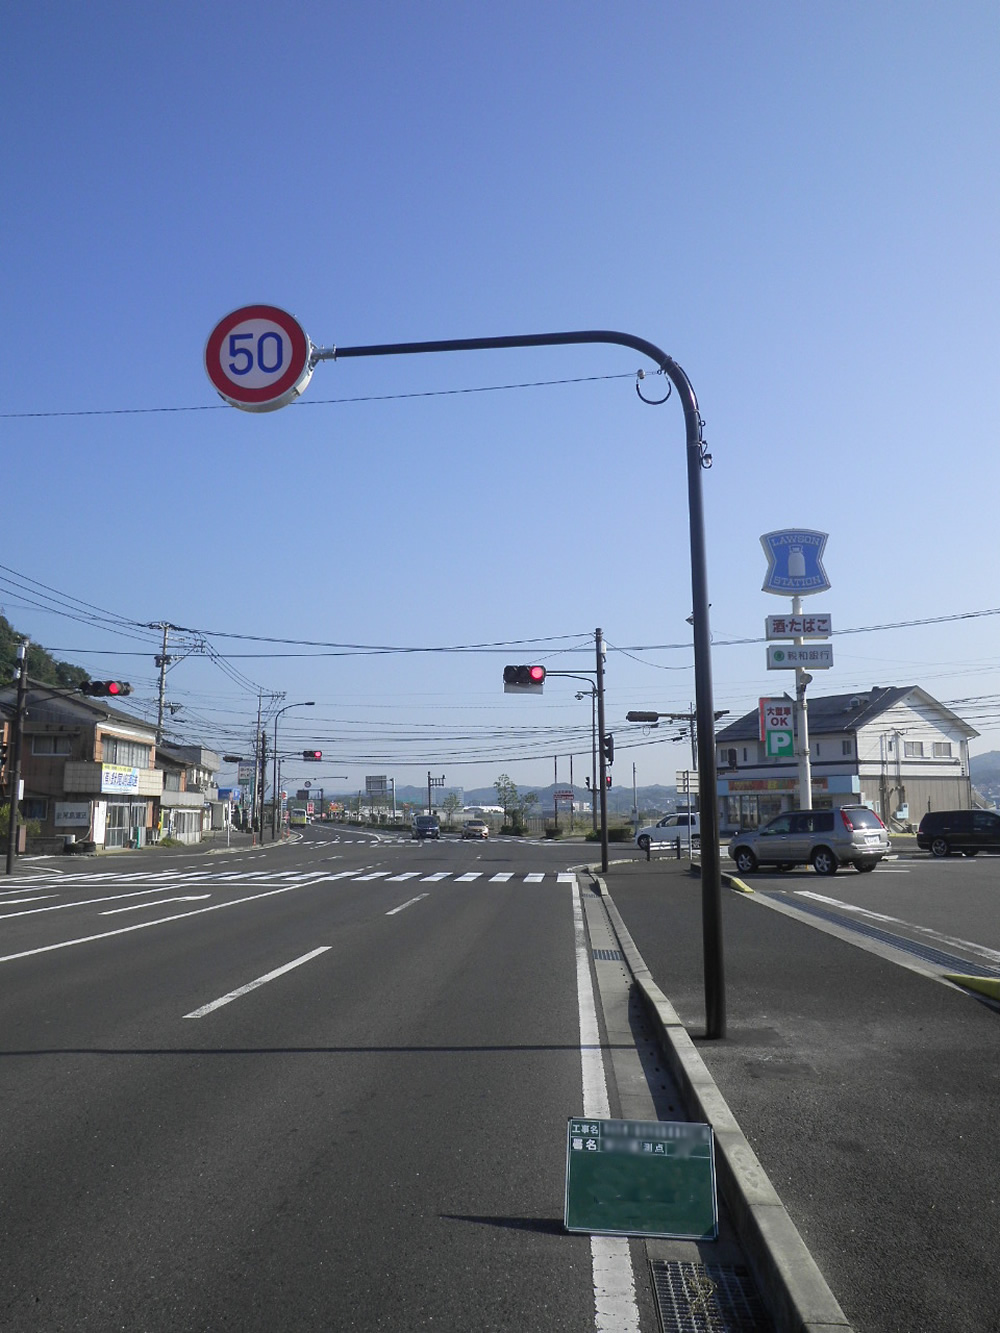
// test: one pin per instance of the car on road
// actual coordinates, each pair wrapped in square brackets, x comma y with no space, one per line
[942,832]
[669,829]
[825,839]
[425,826]
[475,828]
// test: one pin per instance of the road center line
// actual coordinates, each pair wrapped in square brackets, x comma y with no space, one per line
[252,985]
[409,903]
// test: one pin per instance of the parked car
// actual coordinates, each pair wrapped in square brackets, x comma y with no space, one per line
[475,828]
[669,829]
[824,839]
[942,832]
[425,826]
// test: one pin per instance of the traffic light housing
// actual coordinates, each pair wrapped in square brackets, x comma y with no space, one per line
[313,756]
[607,781]
[523,679]
[608,748]
[103,689]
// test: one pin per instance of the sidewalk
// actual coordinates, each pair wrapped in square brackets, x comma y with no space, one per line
[868,1092]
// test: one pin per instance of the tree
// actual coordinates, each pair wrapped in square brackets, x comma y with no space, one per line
[506,795]
[524,805]
[450,804]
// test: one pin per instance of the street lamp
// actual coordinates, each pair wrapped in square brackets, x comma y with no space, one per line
[283,382]
[310,703]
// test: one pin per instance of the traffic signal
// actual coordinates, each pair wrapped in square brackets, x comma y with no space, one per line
[312,755]
[102,689]
[523,679]
[607,781]
[608,748]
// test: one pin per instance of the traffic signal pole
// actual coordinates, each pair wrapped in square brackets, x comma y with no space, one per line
[698,458]
[599,643]
[15,765]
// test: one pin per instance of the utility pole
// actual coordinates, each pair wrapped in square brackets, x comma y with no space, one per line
[15,769]
[162,661]
[599,644]
[262,781]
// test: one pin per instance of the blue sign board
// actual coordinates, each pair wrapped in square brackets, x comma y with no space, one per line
[794,562]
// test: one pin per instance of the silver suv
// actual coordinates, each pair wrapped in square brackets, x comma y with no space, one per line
[824,839]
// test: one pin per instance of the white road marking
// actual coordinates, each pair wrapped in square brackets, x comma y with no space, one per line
[375,874]
[615,1308]
[467,879]
[952,941]
[533,879]
[84,902]
[502,878]
[566,878]
[436,878]
[143,925]
[252,985]
[407,874]
[137,907]
[409,903]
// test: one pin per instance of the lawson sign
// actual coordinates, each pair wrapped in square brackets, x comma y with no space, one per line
[794,562]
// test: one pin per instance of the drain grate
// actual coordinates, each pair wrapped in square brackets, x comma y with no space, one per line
[608,955]
[707,1298]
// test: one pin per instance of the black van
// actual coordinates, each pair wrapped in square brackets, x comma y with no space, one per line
[942,832]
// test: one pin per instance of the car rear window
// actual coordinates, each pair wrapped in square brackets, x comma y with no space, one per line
[861,817]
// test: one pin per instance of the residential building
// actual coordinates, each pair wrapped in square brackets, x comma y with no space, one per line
[189,791]
[88,769]
[894,748]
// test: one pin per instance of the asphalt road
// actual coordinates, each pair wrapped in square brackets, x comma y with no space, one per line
[261,1091]
[867,1086]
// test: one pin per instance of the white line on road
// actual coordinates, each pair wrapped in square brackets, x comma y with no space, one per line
[402,907]
[467,879]
[407,874]
[375,874]
[252,985]
[615,1308]
[143,925]
[533,879]
[436,878]
[137,907]
[502,878]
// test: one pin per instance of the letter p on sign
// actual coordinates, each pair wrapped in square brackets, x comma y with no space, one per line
[780,743]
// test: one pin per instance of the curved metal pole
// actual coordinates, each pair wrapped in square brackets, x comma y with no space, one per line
[711,884]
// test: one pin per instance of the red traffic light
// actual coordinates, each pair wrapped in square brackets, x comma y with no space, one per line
[523,678]
[607,781]
[312,755]
[101,689]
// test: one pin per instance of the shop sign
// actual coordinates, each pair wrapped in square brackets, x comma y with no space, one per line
[72,815]
[117,778]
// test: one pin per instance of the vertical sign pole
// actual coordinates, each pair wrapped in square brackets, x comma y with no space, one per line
[599,641]
[15,764]
[802,679]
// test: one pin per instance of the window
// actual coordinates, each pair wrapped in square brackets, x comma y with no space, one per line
[942,749]
[846,747]
[817,749]
[171,781]
[129,754]
[51,745]
[913,749]
[34,808]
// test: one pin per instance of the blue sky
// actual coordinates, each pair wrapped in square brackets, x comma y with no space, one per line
[798,202]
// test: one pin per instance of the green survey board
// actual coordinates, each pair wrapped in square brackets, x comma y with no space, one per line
[641,1178]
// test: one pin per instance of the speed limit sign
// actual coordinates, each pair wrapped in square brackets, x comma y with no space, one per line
[259,358]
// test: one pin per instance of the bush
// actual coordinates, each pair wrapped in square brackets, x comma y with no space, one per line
[551,831]
[513,830]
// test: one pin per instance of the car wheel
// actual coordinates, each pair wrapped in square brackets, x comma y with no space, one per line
[824,862]
[864,867]
[644,843]
[939,847]
[746,862]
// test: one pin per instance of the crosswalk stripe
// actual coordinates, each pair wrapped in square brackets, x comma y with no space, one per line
[566,878]
[533,879]
[502,878]
[467,879]
[434,879]
[375,874]
[407,874]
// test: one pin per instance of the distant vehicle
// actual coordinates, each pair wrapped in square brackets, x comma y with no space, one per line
[824,839]
[297,818]
[942,832]
[669,829]
[425,826]
[475,828]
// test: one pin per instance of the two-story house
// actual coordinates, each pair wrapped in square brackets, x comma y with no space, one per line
[189,791]
[88,769]
[894,748]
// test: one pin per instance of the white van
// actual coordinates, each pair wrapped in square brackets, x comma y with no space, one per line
[669,829]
